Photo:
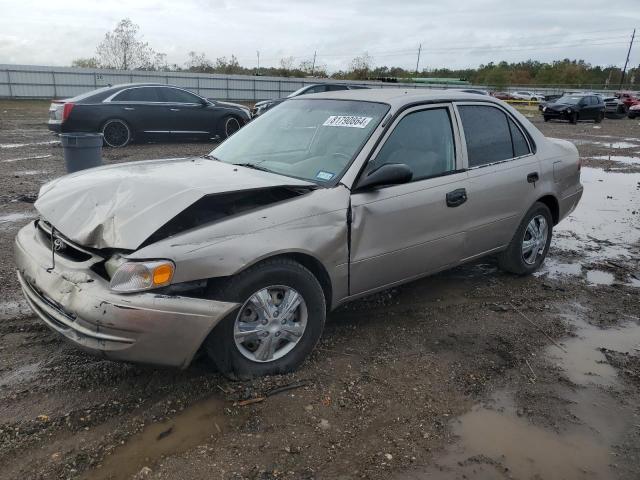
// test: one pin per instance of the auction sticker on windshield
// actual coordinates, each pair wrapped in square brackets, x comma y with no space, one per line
[347,121]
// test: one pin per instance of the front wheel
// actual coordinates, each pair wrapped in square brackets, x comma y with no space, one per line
[573,118]
[280,320]
[116,133]
[231,126]
[530,244]
[600,117]
[546,118]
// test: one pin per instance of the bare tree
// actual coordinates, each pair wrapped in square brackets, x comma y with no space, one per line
[123,49]
[286,63]
[198,62]
[360,66]
[91,62]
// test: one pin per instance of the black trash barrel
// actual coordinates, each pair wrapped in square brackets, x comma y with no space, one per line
[81,150]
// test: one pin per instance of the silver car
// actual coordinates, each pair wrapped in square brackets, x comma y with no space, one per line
[242,253]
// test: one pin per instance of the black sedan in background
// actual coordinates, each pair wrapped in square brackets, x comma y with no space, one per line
[265,105]
[574,108]
[146,111]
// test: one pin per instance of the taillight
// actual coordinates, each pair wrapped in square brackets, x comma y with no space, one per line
[67,111]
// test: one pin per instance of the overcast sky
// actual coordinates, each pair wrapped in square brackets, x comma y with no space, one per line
[454,34]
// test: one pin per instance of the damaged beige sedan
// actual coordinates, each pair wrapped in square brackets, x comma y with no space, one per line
[242,253]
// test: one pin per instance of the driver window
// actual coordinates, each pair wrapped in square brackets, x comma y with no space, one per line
[422,140]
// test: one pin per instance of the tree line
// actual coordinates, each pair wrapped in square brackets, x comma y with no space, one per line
[124,49]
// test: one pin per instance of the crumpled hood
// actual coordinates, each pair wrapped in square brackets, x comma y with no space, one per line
[120,206]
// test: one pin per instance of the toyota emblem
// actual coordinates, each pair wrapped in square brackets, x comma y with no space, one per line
[58,245]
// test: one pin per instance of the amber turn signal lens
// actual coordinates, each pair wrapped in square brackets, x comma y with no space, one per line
[162,274]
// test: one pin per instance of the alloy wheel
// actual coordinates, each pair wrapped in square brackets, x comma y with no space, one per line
[116,133]
[231,126]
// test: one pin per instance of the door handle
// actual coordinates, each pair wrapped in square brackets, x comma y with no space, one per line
[456,197]
[174,109]
[129,108]
[533,177]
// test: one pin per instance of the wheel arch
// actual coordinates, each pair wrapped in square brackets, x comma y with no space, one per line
[554,206]
[311,263]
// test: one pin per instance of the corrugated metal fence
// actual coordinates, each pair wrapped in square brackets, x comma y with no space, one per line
[32,81]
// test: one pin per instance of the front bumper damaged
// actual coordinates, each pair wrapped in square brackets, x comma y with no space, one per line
[76,302]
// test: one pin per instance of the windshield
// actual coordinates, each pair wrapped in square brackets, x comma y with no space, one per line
[310,139]
[569,100]
[298,92]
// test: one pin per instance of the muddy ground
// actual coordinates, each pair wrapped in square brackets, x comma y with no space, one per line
[471,373]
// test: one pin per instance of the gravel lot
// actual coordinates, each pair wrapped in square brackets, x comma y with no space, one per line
[471,373]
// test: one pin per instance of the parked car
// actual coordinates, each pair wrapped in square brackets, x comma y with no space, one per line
[475,90]
[261,107]
[503,96]
[634,111]
[574,108]
[526,95]
[146,111]
[328,198]
[618,106]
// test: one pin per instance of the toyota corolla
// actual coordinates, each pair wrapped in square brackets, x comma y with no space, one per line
[242,253]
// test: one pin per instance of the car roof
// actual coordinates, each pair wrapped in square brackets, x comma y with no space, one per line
[398,97]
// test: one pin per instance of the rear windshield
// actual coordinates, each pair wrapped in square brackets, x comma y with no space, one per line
[86,95]
[310,139]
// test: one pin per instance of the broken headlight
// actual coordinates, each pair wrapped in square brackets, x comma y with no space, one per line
[139,276]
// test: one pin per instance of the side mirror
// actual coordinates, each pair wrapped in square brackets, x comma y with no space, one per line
[387,174]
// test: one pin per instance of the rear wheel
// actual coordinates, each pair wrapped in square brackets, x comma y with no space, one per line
[116,133]
[280,320]
[530,244]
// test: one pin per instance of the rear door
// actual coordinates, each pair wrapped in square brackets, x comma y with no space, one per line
[502,175]
[401,232]
[140,107]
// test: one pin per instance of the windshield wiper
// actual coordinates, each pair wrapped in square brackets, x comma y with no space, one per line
[254,166]
[208,156]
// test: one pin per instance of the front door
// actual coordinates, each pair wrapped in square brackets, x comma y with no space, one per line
[405,231]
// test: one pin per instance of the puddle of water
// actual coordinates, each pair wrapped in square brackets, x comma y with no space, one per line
[600,277]
[20,375]
[604,220]
[555,269]
[584,363]
[31,172]
[619,159]
[494,442]
[12,309]
[34,157]
[20,145]
[194,426]
[16,217]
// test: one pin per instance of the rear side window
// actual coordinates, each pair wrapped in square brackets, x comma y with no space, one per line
[422,140]
[520,145]
[142,94]
[174,95]
[487,133]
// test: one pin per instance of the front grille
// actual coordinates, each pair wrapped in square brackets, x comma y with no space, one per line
[69,251]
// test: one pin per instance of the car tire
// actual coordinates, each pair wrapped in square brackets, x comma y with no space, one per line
[236,344]
[600,117]
[231,125]
[116,133]
[631,115]
[573,118]
[518,258]
[546,118]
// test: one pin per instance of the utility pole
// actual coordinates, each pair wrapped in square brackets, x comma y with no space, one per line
[418,62]
[313,65]
[258,52]
[624,70]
